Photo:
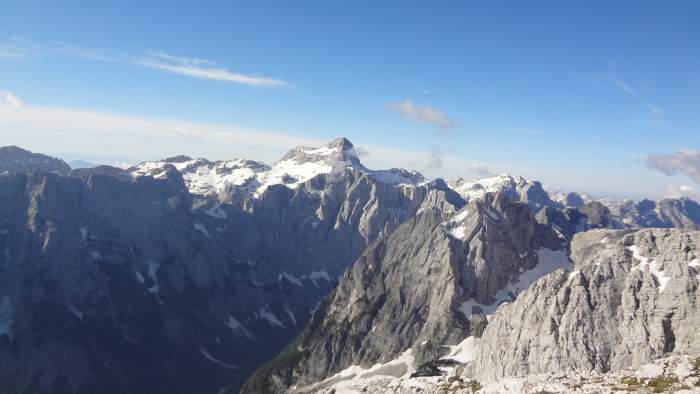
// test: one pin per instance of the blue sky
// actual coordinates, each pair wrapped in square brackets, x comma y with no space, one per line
[577,95]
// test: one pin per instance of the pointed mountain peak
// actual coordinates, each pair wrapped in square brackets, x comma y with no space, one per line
[342,143]
[337,153]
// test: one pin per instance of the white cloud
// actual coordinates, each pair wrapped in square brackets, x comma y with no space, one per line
[685,161]
[205,69]
[676,191]
[408,110]
[622,86]
[191,67]
[70,132]
[478,169]
[613,79]
[58,130]
[11,52]
[9,100]
[435,160]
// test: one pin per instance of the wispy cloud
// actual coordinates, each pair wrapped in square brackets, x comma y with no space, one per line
[685,161]
[186,66]
[205,69]
[361,152]
[529,131]
[425,114]
[435,160]
[613,79]
[59,129]
[621,85]
[676,191]
[13,52]
[79,132]
[478,169]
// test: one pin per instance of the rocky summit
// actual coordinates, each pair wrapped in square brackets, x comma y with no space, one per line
[187,275]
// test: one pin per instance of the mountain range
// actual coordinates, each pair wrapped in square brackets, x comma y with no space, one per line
[194,276]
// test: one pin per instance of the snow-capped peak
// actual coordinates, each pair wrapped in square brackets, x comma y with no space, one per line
[477,188]
[337,153]
[203,176]
[300,164]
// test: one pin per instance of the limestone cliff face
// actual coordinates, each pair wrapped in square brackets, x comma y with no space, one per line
[405,291]
[633,298]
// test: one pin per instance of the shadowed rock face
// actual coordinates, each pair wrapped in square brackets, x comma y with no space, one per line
[14,160]
[112,283]
[633,298]
[405,291]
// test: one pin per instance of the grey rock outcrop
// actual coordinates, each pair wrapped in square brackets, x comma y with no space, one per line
[16,160]
[406,289]
[669,212]
[516,187]
[633,298]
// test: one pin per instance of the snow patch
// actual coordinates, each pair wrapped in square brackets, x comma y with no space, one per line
[458,232]
[478,188]
[198,203]
[399,368]
[140,277]
[205,178]
[291,174]
[238,328]
[216,212]
[290,278]
[76,312]
[464,351]
[271,318]
[548,261]
[695,263]
[202,229]
[650,264]
[454,226]
[83,235]
[209,357]
[321,151]
[398,177]
[291,316]
[315,275]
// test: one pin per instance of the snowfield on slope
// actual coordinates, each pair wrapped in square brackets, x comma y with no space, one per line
[548,262]
[301,164]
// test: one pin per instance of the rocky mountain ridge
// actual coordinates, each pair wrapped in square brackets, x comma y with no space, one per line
[204,270]
[14,159]
[199,290]
[630,298]
[432,282]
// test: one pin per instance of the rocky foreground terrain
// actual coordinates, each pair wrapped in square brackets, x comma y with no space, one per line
[675,374]
[630,297]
